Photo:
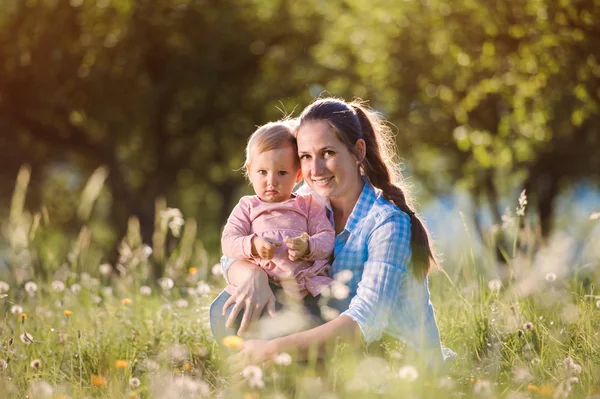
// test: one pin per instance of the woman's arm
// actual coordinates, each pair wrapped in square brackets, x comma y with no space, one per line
[252,294]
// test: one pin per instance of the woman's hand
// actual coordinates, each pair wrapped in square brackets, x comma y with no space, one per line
[252,295]
[254,352]
[298,247]
[264,247]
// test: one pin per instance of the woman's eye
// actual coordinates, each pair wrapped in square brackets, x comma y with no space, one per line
[328,154]
[304,157]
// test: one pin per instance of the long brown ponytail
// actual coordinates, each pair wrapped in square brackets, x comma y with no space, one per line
[354,121]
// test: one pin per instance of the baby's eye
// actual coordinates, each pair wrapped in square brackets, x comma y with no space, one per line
[262,172]
[282,173]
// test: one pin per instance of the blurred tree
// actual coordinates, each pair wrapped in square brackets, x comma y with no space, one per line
[163,92]
[488,95]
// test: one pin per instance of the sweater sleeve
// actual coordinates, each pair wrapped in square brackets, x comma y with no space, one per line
[236,241]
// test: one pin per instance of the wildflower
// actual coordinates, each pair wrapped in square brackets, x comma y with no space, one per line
[121,364]
[283,359]
[188,367]
[522,203]
[344,276]
[126,301]
[75,288]
[329,313]
[23,317]
[36,363]
[134,383]
[482,388]
[494,285]
[98,381]
[570,367]
[217,270]
[16,309]
[598,303]
[181,303]
[529,326]
[31,288]
[202,288]
[68,313]
[165,283]
[192,271]
[254,376]
[146,251]
[40,389]
[145,290]
[233,342]
[26,338]
[408,373]
[550,277]
[4,287]
[58,286]
[105,269]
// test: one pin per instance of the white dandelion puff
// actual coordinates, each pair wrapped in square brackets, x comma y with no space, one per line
[58,286]
[26,338]
[283,359]
[36,363]
[328,313]
[550,277]
[4,287]
[16,309]
[254,376]
[31,287]
[145,290]
[344,276]
[217,270]
[494,285]
[529,326]
[570,367]
[202,288]
[165,283]
[105,269]
[339,291]
[408,373]
[134,383]
[75,288]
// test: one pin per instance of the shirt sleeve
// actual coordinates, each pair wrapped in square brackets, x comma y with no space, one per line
[389,253]
[320,230]
[236,241]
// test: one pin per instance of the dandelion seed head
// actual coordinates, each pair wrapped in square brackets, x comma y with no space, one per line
[75,288]
[58,286]
[165,283]
[344,276]
[328,313]
[570,367]
[529,326]
[339,291]
[26,338]
[408,373]
[134,383]
[202,288]
[31,287]
[4,287]
[36,363]
[254,376]
[145,290]
[16,309]
[105,269]
[283,359]
[598,303]
[495,285]
[550,277]
[217,270]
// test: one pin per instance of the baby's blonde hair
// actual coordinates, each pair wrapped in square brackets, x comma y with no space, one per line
[272,136]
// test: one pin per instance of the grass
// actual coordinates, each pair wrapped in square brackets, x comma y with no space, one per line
[95,331]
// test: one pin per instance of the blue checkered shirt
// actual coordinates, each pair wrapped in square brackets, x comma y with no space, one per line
[386,297]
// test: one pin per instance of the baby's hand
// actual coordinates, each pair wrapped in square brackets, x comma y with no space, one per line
[264,247]
[298,247]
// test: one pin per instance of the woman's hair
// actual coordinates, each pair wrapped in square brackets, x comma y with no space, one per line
[354,121]
[272,136]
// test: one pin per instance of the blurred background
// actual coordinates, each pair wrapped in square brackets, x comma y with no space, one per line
[151,99]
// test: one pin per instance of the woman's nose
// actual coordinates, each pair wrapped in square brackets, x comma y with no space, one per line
[317,167]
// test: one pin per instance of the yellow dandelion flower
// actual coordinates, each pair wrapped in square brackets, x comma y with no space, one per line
[121,364]
[233,342]
[192,271]
[126,301]
[68,313]
[23,317]
[98,381]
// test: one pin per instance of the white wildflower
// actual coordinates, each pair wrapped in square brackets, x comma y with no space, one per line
[598,303]
[344,276]
[522,204]
[328,313]
[26,338]
[4,287]
[570,367]
[494,285]
[145,290]
[529,326]
[339,291]
[58,286]
[36,363]
[147,251]
[283,359]
[550,277]
[31,287]
[16,309]
[105,269]
[181,303]
[217,270]
[134,383]
[202,288]
[40,389]
[75,288]
[165,283]
[254,376]
[408,373]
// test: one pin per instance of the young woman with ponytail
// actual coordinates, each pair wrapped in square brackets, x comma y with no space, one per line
[347,158]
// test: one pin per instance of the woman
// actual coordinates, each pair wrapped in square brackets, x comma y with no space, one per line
[346,154]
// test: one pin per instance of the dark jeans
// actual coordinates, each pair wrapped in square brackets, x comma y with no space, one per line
[309,311]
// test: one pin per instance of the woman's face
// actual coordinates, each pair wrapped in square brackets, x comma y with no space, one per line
[327,165]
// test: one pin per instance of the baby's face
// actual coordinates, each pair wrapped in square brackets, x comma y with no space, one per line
[274,173]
